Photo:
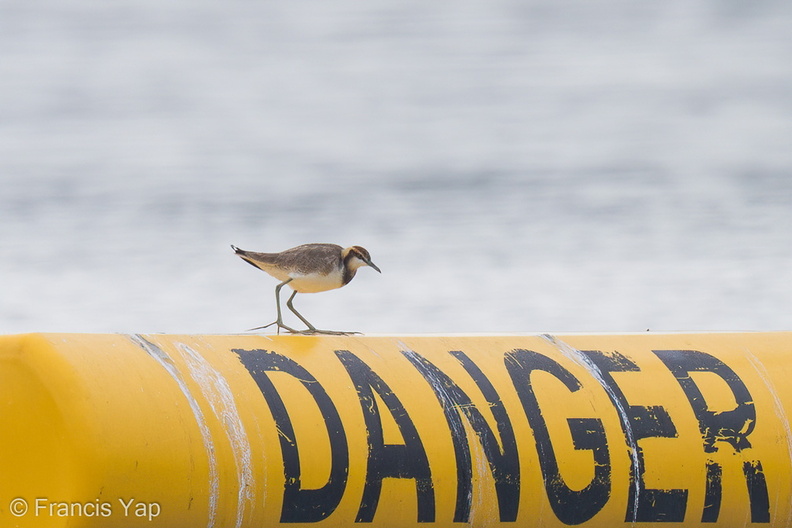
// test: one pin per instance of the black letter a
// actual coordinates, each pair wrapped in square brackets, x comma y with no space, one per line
[407,461]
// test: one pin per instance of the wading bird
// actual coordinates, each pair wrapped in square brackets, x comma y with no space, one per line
[308,268]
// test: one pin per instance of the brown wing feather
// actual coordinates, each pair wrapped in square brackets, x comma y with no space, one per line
[322,258]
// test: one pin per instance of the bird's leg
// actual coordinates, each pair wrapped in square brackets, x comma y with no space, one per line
[279,320]
[311,328]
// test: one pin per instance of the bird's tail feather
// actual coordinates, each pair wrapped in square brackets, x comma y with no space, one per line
[257,260]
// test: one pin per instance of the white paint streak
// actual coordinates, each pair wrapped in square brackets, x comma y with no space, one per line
[584,361]
[481,512]
[167,363]
[778,407]
[218,393]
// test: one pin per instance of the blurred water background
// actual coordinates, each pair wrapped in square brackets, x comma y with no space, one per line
[511,165]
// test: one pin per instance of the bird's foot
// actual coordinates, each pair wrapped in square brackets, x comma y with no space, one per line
[279,325]
[316,331]
[309,331]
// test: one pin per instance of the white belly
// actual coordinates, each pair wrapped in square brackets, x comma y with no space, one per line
[314,282]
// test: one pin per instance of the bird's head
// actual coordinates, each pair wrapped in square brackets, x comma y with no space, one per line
[357,256]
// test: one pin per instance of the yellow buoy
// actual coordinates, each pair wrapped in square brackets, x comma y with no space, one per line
[486,431]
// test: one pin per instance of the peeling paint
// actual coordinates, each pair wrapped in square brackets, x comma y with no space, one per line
[163,359]
[218,393]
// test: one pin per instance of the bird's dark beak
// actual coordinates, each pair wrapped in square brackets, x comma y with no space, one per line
[373,266]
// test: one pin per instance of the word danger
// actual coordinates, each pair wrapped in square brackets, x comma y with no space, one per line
[719,430]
